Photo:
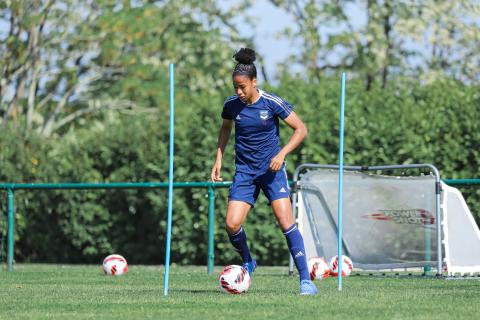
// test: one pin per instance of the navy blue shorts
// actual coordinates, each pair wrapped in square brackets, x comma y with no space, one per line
[246,186]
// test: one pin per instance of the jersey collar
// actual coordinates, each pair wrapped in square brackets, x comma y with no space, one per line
[260,94]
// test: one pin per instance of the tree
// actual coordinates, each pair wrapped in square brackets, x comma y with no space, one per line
[66,60]
[45,64]
[446,35]
[396,37]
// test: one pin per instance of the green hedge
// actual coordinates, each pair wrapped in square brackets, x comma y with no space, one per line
[435,123]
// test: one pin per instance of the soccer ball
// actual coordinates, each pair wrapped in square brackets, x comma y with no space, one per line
[318,268]
[234,279]
[115,265]
[347,266]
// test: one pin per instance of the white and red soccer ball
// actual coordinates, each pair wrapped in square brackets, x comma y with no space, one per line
[234,279]
[318,268]
[115,265]
[347,266]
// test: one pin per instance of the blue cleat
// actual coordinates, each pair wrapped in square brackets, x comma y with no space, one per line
[307,288]
[250,266]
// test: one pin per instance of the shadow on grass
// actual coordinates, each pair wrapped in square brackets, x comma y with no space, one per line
[197,291]
[220,292]
[275,275]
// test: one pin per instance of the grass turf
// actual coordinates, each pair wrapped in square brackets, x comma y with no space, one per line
[35,291]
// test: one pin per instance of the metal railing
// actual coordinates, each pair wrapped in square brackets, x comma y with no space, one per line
[211,186]
[11,187]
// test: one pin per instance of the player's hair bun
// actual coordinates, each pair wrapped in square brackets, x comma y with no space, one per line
[245,56]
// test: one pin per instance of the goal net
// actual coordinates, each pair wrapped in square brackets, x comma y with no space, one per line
[389,221]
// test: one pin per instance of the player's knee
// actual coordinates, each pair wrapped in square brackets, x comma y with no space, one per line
[285,223]
[232,226]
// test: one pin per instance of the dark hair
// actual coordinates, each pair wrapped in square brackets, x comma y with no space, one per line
[245,66]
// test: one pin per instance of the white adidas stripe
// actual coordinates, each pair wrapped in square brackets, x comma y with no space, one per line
[294,228]
[273,97]
[280,101]
[280,104]
[286,177]
[230,99]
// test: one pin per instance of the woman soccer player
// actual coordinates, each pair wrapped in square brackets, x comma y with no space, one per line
[259,162]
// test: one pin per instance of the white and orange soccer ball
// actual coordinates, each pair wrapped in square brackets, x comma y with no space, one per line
[115,265]
[347,266]
[234,279]
[318,268]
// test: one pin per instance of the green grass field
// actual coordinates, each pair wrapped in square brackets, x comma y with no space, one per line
[82,292]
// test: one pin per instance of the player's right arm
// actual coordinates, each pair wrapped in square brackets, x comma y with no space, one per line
[223,137]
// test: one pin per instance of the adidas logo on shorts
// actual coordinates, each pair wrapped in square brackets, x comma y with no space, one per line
[283,190]
[299,254]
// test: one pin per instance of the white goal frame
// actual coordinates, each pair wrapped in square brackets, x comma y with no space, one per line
[438,221]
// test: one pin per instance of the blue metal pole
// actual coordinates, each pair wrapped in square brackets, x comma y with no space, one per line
[170,188]
[340,182]
[11,227]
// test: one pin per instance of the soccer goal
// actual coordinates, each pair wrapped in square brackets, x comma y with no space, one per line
[394,217]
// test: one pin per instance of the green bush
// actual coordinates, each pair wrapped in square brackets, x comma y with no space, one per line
[435,123]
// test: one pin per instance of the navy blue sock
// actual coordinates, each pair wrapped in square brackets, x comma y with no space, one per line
[297,250]
[239,242]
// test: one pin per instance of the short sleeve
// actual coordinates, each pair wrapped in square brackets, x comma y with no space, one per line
[226,114]
[281,107]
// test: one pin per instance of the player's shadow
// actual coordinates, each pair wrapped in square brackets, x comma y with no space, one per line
[220,292]
[277,275]
[198,291]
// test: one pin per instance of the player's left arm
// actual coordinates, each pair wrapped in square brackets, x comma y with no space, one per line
[299,133]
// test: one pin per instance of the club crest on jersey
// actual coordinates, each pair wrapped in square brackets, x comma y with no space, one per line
[264,114]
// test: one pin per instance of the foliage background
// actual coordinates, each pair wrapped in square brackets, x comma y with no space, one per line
[87,101]
[384,127]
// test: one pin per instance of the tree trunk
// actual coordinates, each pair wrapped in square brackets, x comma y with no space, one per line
[369,78]
[35,34]
[387,28]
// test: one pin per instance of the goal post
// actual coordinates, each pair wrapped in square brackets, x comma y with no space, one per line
[461,234]
[389,222]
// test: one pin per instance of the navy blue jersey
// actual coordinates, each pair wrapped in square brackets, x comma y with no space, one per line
[257,138]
